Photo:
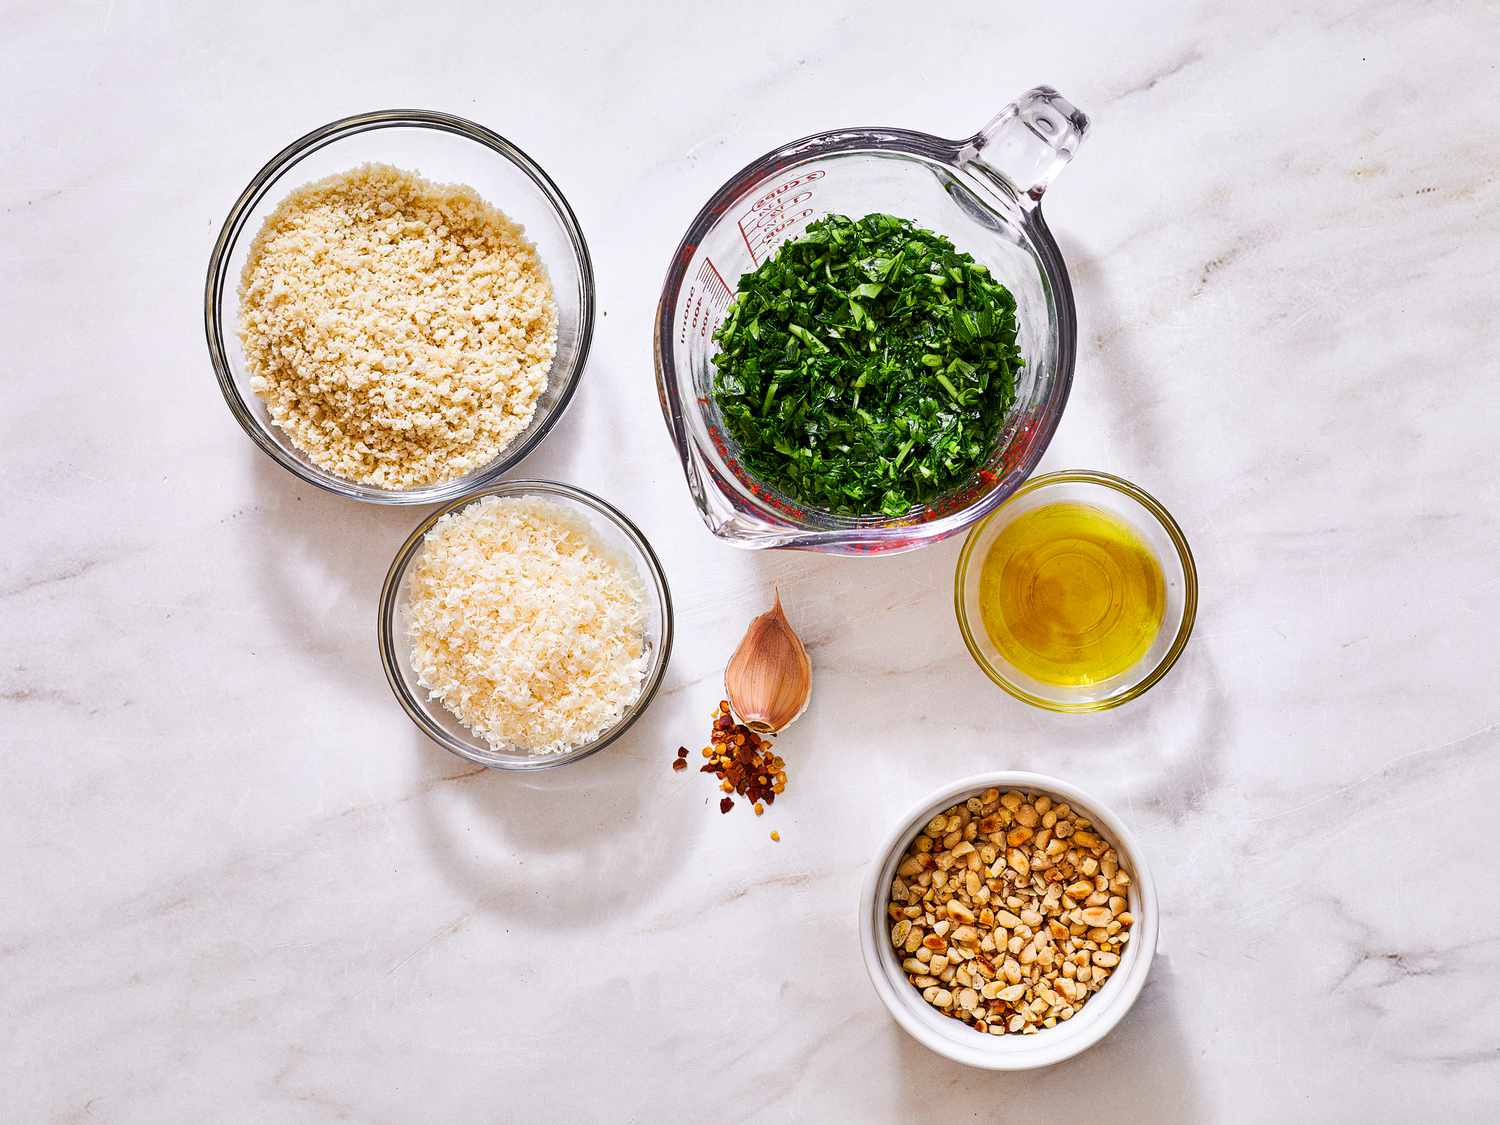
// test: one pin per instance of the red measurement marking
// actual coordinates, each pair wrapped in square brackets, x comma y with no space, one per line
[706,300]
[776,212]
[709,262]
[748,247]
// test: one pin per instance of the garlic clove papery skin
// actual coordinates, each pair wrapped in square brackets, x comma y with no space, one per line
[769,678]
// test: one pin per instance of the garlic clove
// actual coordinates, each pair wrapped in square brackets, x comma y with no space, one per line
[769,677]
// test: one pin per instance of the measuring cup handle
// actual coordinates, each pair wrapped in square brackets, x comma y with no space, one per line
[1029,141]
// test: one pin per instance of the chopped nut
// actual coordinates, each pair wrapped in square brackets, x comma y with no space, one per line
[959,911]
[1008,928]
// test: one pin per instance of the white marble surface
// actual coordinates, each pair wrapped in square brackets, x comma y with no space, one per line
[236,885]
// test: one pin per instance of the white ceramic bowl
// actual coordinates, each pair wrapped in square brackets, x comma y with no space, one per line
[957,1040]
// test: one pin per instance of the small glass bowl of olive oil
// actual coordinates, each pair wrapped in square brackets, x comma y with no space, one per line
[1078,593]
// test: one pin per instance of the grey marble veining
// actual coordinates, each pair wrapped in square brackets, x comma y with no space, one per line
[238,886]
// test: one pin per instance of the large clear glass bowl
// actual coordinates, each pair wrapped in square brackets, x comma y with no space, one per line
[436,721]
[443,149]
[982,192]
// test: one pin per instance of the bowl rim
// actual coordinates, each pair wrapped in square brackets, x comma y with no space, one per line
[417,711]
[854,534]
[233,229]
[1051,1045]
[1190,591]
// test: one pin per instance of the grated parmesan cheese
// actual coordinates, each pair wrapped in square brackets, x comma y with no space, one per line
[399,331]
[525,625]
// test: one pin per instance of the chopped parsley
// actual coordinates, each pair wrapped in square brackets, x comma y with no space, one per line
[866,367]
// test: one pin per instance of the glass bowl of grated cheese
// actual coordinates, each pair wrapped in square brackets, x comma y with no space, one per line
[438,398]
[526,626]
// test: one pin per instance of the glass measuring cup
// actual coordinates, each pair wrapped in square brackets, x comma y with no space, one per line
[984,193]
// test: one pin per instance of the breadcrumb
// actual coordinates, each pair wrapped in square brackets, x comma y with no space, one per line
[399,331]
[525,625]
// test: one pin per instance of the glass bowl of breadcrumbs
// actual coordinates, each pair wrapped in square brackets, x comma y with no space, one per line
[399,307]
[525,627]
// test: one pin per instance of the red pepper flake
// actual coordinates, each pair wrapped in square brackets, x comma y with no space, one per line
[679,765]
[742,760]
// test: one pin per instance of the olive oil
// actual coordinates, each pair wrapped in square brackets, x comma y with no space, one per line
[1071,594]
